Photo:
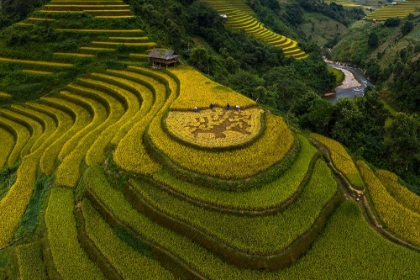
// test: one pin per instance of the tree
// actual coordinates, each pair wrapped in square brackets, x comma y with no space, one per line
[407,27]
[348,123]
[373,40]
[402,143]
[392,22]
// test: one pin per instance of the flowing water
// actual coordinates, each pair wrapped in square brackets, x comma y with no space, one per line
[350,92]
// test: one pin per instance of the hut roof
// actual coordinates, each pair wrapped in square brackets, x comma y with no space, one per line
[163,54]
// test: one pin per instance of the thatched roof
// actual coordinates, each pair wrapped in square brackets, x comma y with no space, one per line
[163,54]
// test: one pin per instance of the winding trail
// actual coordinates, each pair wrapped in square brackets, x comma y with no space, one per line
[365,207]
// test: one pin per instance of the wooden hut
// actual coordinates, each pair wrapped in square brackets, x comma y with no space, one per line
[162,58]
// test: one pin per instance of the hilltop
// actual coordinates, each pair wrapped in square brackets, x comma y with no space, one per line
[112,169]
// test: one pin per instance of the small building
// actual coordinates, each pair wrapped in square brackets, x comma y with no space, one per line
[223,16]
[159,58]
[394,3]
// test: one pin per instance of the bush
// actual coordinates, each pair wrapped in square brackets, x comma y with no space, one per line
[392,22]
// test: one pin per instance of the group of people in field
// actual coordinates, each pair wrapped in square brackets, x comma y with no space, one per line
[237,107]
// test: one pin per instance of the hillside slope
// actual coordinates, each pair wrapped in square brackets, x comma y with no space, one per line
[120,170]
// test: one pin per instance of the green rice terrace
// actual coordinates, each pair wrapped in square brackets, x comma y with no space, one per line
[108,172]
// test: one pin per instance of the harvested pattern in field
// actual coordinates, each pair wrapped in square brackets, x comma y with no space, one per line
[215,127]
[268,149]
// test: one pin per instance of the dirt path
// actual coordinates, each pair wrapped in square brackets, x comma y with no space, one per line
[365,207]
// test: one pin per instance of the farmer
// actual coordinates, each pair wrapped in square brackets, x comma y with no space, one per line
[227,106]
[196,109]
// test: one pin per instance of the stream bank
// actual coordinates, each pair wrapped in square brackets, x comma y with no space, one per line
[353,85]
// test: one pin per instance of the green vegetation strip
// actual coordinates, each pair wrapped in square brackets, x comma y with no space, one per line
[401,194]
[268,196]
[399,219]
[37,63]
[31,265]
[255,235]
[128,262]
[69,258]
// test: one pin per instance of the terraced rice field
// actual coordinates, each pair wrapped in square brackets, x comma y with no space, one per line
[239,16]
[402,9]
[112,174]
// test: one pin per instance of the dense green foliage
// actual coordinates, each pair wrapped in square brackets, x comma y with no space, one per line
[234,57]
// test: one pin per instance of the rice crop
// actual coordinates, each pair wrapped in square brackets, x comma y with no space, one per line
[4,95]
[96,153]
[69,258]
[129,154]
[36,72]
[269,195]
[36,62]
[64,122]
[13,205]
[215,127]
[341,160]
[268,149]
[257,235]
[82,55]
[400,193]
[65,130]
[30,261]
[68,173]
[399,219]
[198,90]
[128,262]
[351,257]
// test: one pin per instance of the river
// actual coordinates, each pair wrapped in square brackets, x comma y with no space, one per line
[354,83]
